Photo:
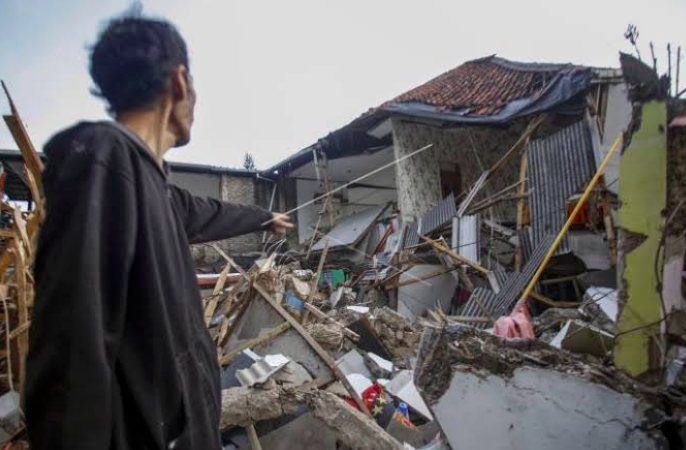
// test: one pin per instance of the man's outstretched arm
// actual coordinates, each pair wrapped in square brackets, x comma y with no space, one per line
[87,245]
[208,219]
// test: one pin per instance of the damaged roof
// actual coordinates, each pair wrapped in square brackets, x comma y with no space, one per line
[486,91]
[484,86]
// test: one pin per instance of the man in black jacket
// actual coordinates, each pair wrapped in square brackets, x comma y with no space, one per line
[119,354]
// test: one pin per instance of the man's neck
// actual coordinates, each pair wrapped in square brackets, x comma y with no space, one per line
[153,128]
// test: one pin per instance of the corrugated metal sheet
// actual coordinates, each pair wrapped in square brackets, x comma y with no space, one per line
[511,287]
[516,283]
[439,215]
[524,236]
[351,229]
[497,279]
[560,166]
[411,235]
[481,298]
[468,242]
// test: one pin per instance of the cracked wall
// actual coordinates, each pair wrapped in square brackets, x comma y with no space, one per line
[487,392]
[539,409]
[642,195]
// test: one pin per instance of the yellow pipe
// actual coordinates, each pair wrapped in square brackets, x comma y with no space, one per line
[572,216]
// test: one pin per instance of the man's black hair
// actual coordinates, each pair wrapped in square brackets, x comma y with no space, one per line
[133,59]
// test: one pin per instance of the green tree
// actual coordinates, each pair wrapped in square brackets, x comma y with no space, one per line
[249,163]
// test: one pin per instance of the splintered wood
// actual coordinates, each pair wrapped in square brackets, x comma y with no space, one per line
[18,231]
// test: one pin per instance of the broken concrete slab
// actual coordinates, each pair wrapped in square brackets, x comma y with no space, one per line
[533,396]
[378,366]
[402,387]
[243,406]
[396,333]
[353,362]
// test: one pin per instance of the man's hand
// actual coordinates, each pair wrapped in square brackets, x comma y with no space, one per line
[281,223]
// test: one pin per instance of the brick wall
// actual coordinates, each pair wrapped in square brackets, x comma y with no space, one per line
[245,190]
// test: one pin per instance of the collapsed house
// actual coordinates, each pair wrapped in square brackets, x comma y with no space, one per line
[494,259]
[513,145]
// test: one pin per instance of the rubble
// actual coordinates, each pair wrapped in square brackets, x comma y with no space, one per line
[241,407]
[373,328]
[524,386]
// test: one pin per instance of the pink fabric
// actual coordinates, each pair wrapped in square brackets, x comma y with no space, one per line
[516,325]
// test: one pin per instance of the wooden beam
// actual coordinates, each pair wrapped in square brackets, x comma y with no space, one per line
[261,339]
[22,306]
[318,349]
[21,136]
[457,257]
[521,204]
[252,437]
[315,280]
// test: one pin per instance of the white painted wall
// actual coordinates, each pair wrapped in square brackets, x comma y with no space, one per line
[342,171]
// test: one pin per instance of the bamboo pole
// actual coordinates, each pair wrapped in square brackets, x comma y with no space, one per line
[617,144]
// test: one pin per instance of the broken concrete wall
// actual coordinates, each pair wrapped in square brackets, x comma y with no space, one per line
[643,196]
[486,392]
[472,149]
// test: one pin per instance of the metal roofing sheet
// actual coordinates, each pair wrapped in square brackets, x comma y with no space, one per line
[439,215]
[411,235]
[560,165]
[515,284]
[511,287]
[351,229]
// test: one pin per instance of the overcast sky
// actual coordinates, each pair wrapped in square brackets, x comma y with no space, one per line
[274,76]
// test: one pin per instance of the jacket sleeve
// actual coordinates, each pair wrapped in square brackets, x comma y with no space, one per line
[85,254]
[207,219]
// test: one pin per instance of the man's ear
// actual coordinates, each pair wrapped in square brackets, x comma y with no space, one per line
[179,83]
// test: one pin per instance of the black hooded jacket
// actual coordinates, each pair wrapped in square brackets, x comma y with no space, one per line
[119,355]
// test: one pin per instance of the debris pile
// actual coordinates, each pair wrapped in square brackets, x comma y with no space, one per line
[540,307]
[415,333]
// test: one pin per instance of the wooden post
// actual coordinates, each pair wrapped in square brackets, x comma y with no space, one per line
[523,169]
[252,437]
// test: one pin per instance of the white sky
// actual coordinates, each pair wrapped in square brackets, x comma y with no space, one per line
[274,76]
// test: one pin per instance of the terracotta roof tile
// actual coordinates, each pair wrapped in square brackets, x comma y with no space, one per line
[483,86]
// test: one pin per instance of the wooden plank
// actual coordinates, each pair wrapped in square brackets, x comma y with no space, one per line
[22,308]
[20,329]
[252,437]
[470,319]
[31,227]
[261,339]
[318,349]
[221,282]
[323,354]
[458,258]
[315,281]
[21,136]
[523,169]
